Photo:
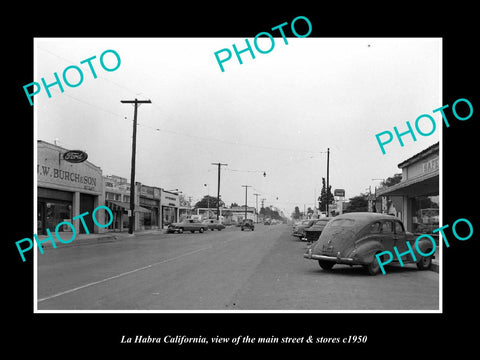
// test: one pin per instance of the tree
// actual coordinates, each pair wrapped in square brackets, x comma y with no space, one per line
[310,211]
[323,195]
[208,202]
[358,203]
[395,179]
[296,215]
[269,213]
[233,205]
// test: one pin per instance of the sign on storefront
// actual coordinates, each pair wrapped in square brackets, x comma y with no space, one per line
[75,156]
[430,165]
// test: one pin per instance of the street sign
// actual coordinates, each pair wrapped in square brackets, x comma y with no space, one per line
[339,192]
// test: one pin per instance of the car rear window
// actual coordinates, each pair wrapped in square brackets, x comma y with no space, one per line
[342,222]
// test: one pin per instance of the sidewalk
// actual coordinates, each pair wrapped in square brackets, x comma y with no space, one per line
[89,239]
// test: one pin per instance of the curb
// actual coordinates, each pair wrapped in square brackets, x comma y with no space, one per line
[95,239]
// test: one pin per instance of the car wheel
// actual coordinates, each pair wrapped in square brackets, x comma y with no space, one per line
[374,267]
[425,263]
[325,264]
[201,230]
[242,228]
[180,231]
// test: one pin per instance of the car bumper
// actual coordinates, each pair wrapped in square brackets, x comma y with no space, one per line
[337,259]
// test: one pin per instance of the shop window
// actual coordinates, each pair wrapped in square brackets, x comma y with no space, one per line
[425,214]
[55,213]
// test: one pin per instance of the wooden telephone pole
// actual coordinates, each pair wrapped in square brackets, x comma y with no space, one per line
[132,174]
[218,188]
[246,187]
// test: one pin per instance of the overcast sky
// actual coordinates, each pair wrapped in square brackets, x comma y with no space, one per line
[276,113]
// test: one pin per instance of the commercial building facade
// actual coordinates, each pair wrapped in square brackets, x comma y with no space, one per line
[169,207]
[155,208]
[67,189]
[415,199]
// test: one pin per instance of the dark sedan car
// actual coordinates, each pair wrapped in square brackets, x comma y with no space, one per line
[247,224]
[299,230]
[313,232]
[355,239]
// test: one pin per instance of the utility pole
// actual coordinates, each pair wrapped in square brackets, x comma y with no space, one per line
[263,202]
[218,188]
[328,168]
[246,187]
[256,204]
[134,148]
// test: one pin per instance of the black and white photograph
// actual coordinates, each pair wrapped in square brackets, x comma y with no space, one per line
[241,181]
[231,170]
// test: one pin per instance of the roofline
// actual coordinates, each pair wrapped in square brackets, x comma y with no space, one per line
[422,154]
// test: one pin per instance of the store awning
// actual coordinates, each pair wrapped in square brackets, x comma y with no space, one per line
[116,205]
[426,184]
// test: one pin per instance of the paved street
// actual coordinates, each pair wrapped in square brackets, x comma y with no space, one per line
[220,270]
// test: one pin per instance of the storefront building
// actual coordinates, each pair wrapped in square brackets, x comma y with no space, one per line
[117,198]
[415,199]
[170,205]
[148,199]
[67,187]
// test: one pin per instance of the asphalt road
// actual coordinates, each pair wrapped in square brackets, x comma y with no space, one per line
[221,270]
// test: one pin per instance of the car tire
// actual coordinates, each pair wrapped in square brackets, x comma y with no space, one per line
[425,263]
[326,265]
[201,230]
[242,228]
[374,267]
[180,231]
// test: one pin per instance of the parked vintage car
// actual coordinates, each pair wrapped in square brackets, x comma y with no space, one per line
[213,224]
[355,238]
[191,225]
[247,224]
[299,230]
[313,232]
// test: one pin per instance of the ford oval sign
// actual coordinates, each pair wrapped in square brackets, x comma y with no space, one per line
[75,156]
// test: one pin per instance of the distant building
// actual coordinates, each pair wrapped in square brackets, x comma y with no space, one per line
[237,214]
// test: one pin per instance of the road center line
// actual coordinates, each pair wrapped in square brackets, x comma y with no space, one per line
[120,275]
